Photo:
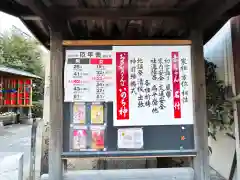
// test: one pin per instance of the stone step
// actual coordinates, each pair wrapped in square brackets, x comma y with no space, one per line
[11,166]
[130,174]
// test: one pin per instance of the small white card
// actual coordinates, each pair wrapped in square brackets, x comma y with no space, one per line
[130,138]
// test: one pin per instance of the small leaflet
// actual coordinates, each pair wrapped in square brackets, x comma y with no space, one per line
[96,114]
[97,139]
[79,139]
[79,113]
[130,138]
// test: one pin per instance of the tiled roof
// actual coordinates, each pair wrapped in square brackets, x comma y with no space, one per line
[17,72]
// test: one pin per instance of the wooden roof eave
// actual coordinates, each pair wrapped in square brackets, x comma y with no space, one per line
[203,15]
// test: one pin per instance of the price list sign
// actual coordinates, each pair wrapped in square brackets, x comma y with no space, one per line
[89,76]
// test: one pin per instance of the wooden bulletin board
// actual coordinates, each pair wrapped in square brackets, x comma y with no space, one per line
[171,135]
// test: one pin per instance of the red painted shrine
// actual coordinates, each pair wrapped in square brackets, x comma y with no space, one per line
[15,91]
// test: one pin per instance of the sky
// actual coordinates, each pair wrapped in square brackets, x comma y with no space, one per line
[7,21]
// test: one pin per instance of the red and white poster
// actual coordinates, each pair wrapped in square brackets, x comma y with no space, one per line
[79,139]
[153,85]
[97,139]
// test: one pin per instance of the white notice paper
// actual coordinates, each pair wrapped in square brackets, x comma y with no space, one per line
[130,138]
[89,76]
[153,86]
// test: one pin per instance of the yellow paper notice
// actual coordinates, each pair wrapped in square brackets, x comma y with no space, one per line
[97,114]
[79,113]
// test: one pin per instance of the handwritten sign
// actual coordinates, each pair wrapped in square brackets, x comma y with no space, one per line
[153,86]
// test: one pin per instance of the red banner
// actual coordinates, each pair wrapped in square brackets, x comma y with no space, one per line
[122,86]
[176,85]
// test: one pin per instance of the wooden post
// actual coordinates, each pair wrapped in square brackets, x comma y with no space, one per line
[235,25]
[56,106]
[201,161]
[46,119]
[235,168]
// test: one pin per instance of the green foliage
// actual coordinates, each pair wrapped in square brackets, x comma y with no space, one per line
[23,53]
[219,109]
[38,89]
[20,52]
[37,109]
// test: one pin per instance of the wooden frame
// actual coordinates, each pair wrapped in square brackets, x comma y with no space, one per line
[124,42]
[129,157]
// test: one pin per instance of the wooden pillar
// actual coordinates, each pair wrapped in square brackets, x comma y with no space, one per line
[201,161]
[46,119]
[235,26]
[56,106]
